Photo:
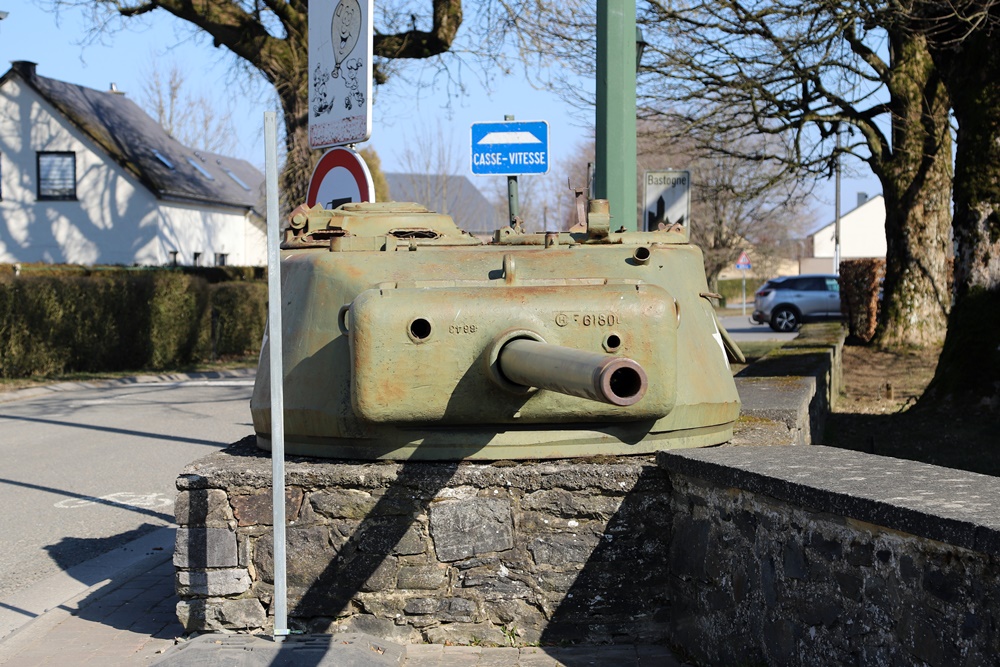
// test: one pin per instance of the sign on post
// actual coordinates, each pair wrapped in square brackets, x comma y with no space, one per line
[667,199]
[340,69]
[340,177]
[743,263]
[507,148]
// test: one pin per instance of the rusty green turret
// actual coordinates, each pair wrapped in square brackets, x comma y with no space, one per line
[405,337]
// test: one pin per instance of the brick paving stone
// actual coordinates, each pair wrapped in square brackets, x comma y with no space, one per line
[535,657]
[423,655]
[458,656]
[498,657]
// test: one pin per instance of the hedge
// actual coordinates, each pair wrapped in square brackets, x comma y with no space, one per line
[732,290]
[860,285]
[212,274]
[66,321]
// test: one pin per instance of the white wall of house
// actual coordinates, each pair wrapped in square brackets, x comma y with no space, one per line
[862,233]
[115,219]
[190,229]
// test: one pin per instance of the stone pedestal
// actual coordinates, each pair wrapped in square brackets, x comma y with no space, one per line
[504,553]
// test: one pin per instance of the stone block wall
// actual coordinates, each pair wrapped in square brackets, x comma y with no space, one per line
[730,555]
[817,556]
[439,552]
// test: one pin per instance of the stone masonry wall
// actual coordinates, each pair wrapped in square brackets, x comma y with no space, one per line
[817,556]
[439,552]
[731,555]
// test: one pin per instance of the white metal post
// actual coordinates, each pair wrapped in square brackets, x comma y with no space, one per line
[277,374]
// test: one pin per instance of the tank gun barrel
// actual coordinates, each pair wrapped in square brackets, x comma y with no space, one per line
[599,377]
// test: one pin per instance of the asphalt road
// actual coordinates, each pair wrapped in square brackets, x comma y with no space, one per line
[742,329]
[85,471]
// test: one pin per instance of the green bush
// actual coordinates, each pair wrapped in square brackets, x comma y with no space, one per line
[72,321]
[237,318]
[732,290]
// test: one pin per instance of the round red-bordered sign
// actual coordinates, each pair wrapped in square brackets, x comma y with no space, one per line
[341,176]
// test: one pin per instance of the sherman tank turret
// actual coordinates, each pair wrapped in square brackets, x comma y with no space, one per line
[407,338]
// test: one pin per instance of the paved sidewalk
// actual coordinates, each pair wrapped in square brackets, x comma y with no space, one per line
[129,620]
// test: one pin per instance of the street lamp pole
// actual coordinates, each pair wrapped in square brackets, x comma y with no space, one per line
[836,209]
[615,177]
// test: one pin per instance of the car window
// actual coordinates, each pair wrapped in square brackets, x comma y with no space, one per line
[832,285]
[813,284]
[791,284]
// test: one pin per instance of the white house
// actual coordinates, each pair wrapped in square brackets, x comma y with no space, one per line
[862,235]
[87,177]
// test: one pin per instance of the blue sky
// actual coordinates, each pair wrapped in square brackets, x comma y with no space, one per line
[401,109]
[125,57]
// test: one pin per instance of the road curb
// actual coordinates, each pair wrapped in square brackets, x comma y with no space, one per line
[147,378]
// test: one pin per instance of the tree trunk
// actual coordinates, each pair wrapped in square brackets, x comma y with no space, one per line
[300,159]
[968,371]
[916,182]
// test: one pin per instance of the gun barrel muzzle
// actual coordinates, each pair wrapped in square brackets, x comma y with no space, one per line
[599,377]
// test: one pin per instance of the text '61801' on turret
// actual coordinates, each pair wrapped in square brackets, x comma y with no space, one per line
[407,338]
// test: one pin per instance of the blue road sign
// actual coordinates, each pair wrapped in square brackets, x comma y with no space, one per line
[512,147]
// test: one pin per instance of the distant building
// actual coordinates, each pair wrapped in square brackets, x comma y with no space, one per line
[452,195]
[87,177]
[862,235]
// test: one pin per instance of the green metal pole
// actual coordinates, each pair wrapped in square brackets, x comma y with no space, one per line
[616,153]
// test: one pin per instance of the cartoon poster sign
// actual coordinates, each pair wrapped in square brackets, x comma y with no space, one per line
[340,68]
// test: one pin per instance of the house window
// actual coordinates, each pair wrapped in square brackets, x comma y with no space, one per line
[195,259]
[57,175]
[220,258]
[173,258]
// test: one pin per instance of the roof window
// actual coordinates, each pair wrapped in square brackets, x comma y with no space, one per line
[201,169]
[239,181]
[161,158]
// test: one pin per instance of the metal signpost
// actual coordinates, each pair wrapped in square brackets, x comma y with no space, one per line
[277,374]
[666,197]
[743,264]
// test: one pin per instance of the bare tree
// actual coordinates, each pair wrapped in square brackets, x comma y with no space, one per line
[431,162]
[270,38]
[736,204]
[721,73]
[191,119]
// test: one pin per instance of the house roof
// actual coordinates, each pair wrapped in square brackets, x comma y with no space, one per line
[143,148]
[453,195]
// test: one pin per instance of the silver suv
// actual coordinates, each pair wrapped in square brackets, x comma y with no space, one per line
[786,303]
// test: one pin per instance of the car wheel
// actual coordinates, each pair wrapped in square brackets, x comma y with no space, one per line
[785,319]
